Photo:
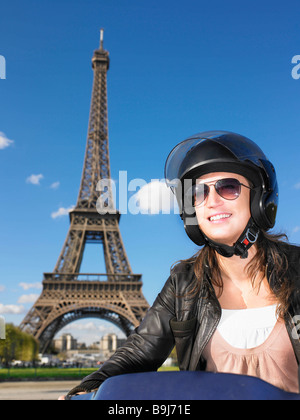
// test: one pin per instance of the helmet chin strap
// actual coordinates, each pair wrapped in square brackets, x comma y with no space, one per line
[240,248]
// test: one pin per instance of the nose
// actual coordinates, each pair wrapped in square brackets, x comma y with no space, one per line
[213,199]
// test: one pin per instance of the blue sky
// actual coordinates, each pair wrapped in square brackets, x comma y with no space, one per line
[177,68]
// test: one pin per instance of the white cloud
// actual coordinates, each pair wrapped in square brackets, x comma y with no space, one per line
[28,298]
[296,229]
[12,309]
[27,286]
[86,326]
[2,288]
[91,331]
[4,141]
[297,186]
[34,179]
[55,185]
[62,211]
[154,198]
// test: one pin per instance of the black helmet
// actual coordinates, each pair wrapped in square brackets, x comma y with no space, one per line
[223,151]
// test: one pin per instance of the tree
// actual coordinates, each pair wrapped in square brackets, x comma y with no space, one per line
[18,345]
[173,356]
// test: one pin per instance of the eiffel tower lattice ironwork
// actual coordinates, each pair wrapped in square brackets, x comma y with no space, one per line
[67,294]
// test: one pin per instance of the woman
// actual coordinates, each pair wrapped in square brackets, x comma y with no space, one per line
[229,308]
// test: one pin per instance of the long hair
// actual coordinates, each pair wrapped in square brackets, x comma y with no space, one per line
[268,261]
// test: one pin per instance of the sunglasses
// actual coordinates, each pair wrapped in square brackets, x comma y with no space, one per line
[228,188]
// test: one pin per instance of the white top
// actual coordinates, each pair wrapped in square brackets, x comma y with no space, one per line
[247,328]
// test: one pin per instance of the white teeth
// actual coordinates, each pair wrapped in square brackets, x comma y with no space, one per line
[219,216]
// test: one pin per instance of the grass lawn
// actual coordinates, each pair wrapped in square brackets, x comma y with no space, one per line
[51,373]
[44,373]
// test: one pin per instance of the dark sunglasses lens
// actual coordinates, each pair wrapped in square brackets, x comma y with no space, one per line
[228,188]
[200,193]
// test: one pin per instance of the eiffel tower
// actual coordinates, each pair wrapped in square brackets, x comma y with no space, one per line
[67,294]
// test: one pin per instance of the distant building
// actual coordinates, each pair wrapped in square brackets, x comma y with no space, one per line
[109,344]
[65,342]
[97,352]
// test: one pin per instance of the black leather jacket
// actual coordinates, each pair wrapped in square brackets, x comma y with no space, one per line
[187,319]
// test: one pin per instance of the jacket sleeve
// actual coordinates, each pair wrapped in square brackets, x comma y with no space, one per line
[146,348]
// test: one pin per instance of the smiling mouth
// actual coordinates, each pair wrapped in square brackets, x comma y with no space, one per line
[217,217]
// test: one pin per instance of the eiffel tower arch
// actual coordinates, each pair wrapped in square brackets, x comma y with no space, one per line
[67,294]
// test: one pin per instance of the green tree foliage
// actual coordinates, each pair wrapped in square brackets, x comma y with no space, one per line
[17,346]
[173,356]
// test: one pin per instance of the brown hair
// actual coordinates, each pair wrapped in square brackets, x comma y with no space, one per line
[268,259]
